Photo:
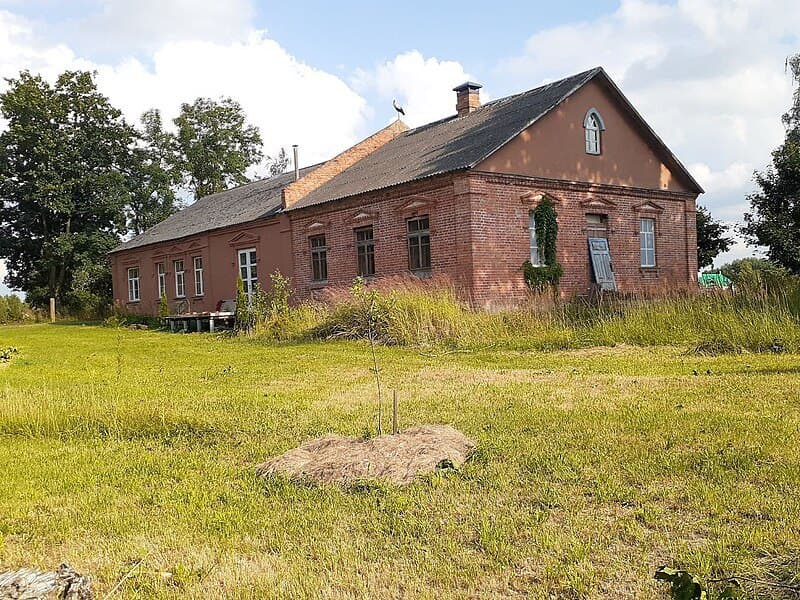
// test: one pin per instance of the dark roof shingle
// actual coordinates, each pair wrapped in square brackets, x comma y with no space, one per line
[249,202]
[448,145]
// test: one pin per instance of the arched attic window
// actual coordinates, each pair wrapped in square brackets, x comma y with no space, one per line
[593,125]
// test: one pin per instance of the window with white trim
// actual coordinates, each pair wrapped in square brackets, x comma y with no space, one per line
[536,260]
[647,242]
[133,284]
[593,125]
[198,276]
[162,280]
[248,270]
[180,279]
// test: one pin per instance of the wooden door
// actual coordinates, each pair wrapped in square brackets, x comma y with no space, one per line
[601,264]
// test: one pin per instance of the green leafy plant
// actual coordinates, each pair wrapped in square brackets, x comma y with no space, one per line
[540,277]
[686,586]
[6,354]
[163,306]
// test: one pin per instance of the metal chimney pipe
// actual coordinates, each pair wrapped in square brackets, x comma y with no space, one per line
[296,166]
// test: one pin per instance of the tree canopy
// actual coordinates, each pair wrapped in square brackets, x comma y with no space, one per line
[62,188]
[774,217]
[711,238]
[75,178]
[214,146]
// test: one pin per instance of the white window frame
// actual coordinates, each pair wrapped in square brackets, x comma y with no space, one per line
[134,287]
[536,259]
[247,268]
[593,126]
[199,284]
[180,278]
[161,273]
[647,242]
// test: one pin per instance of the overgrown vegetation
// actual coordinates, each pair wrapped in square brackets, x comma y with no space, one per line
[14,310]
[547,274]
[762,315]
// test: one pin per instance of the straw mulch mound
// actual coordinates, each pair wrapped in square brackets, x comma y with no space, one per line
[31,584]
[396,458]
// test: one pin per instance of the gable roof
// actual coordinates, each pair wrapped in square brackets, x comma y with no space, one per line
[450,144]
[447,145]
[249,202]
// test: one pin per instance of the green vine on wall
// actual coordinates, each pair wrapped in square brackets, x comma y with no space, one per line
[539,277]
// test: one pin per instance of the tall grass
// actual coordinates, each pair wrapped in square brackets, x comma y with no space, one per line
[760,315]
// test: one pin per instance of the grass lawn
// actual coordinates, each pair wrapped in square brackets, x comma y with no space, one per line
[594,467]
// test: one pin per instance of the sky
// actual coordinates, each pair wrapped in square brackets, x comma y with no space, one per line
[708,75]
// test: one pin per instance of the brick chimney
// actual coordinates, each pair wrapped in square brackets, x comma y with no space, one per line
[467,97]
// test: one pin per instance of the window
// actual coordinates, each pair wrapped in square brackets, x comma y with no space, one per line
[162,280]
[133,284]
[198,275]
[647,241]
[535,259]
[419,244]
[180,279]
[593,125]
[248,269]
[319,258]
[365,248]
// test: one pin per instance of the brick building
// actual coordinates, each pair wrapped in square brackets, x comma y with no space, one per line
[454,197]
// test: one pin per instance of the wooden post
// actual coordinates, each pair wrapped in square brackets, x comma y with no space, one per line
[52,310]
[394,411]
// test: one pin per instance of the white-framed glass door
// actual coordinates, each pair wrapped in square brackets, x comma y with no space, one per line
[248,270]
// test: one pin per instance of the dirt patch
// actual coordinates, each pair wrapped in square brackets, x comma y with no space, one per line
[396,458]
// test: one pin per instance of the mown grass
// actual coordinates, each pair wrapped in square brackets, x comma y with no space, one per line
[594,467]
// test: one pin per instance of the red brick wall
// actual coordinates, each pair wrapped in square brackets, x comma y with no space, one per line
[500,235]
[387,212]
[480,238]
[219,249]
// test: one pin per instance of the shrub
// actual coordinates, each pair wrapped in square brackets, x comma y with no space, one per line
[14,310]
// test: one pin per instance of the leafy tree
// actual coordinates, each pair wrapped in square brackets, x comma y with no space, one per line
[278,164]
[774,217]
[711,240]
[151,178]
[214,145]
[62,188]
[735,270]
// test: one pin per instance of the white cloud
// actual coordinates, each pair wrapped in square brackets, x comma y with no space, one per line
[147,24]
[423,86]
[707,75]
[291,102]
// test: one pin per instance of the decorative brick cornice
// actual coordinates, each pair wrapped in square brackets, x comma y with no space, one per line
[534,197]
[648,207]
[363,215]
[583,186]
[245,238]
[597,203]
[415,203]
